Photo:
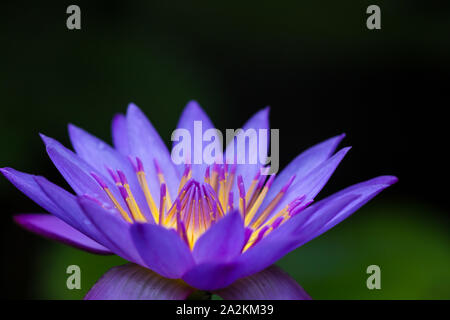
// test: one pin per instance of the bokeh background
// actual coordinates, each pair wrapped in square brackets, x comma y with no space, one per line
[317,66]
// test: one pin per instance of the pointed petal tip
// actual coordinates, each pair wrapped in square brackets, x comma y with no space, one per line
[393,179]
[264,112]
[12,174]
[193,107]
[21,219]
[51,145]
[43,137]
[387,180]
[118,117]
[48,141]
[17,218]
[336,140]
[132,107]
[71,126]
[193,104]
[343,151]
[73,129]
[5,171]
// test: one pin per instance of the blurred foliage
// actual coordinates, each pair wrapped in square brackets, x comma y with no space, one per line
[413,253]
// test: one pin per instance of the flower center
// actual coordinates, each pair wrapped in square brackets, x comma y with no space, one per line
[199,205]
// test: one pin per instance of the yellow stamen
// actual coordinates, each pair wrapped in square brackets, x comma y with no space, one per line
[171,215]
[242,206]
[250,191]
[280,213]
[118,206]
[148,195]
[255,236]
[255,207]
[263,216]
[134,208]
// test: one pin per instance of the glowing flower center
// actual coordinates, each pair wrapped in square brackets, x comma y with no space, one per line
[199,205]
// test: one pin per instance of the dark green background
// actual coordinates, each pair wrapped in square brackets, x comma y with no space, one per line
[314,62]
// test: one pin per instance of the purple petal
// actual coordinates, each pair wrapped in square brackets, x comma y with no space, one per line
[54,199]
[70,211]
[222,242]
[120,134]
[133,282]
[310,185]
[310,223]
[161,249]
[94,151]
[275,245]
[102,156]
[319,223]
[212,276]
[259,120]
[193,112]
[304,163]
[53,228]
[270,284]
[113,227]
[25,182]
[78,173]
[146,144]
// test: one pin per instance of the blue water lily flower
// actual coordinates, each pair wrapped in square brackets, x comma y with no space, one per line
[218,228]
